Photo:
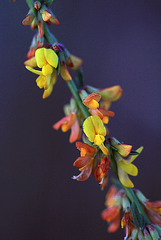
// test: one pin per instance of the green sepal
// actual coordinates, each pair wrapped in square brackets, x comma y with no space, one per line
[158,228]
[138,219]
[140,235]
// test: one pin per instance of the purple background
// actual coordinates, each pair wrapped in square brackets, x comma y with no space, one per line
[119,42]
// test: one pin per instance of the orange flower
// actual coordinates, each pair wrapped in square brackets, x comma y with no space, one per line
[85,161]
[154,206]
[91,101]
[113,211]
[102,114]
[113,215]
[69,122]
[101,171]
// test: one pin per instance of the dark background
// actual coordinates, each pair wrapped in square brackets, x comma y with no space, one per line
[119,42]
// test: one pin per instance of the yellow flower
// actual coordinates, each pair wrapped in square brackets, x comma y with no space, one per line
[95,131]
[126,167]
[48,61]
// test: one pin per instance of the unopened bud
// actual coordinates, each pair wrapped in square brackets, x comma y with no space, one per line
[37,5]
[140,196]
[125,203]
[73,104]
[140,235]
[134,235]
[153,232]
[147,235]
[158,228]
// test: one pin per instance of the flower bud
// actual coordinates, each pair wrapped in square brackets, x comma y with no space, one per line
[140,235]
[153,232]
[37,5]
[125,203]
[147,235]
[140,196]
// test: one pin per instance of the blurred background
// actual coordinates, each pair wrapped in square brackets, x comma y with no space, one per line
[119,42]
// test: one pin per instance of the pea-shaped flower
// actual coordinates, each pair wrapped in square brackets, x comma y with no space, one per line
[95,131]
[47,60]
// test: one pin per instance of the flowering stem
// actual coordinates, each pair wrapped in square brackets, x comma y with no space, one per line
[51,39]
[76,96]
[131,195]
[30,3]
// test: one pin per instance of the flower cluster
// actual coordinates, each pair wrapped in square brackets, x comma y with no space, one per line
[134,223]
[52,61]
[39,14]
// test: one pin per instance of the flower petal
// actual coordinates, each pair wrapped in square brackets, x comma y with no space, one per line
[41,80]
[40,57]
[129,168]
[124,179]
[75,132]
[47,69]
[33,70]
[139,150]
[51,57]
[84,175]
[81,162]
[31,62]
[64,73]
[48,92]
[88,129]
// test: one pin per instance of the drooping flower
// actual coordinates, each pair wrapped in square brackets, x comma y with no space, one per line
[125,165]
[69,122]
[95,131]
[102,114]
[48,61]
[85,161]
[92,100]
[100,172]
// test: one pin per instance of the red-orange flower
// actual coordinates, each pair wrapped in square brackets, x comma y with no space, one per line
[154,206]
[102,114]
[69,122]
[101,171]
[112,213]
[91,101]
[85,161]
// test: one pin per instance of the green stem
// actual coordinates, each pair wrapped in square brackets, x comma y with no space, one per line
[30,3]
[131,195]
[76,96]
[50,38]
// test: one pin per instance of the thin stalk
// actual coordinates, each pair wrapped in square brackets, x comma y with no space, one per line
[30,3]
[76,96]
[50,38]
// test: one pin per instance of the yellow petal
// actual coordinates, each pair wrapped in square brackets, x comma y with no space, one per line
[98,125]
[104,149]
[47,82]
[33,70]
[40,57]
[65,73]
[47,69]
[54,76]
[51,57]
[129,168]
[41,80]
[88,129]
[124,179]
[99,139]
[139,150]
[31,62]
[48,92]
